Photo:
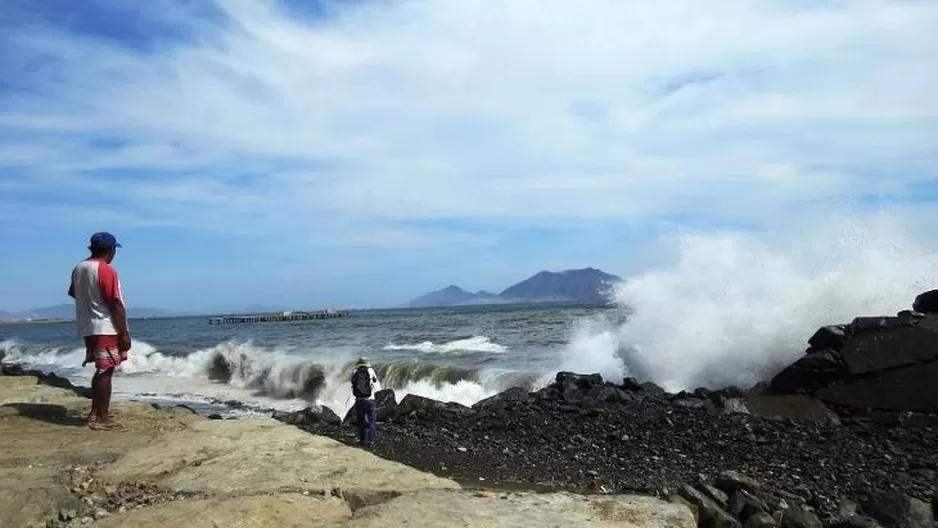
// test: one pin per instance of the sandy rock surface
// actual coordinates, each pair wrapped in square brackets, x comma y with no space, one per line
[174,468]
[447,508]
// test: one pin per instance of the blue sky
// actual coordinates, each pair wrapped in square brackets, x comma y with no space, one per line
[362,153]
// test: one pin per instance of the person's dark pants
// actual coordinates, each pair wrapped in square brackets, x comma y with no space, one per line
[365,414]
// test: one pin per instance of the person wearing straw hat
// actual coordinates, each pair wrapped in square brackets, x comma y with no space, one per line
[364,386]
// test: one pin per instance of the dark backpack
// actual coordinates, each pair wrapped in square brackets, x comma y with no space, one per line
[361,383]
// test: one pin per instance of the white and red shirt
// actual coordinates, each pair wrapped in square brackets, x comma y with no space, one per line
[95,286]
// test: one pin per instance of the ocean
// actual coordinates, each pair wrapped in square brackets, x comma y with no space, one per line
[459,354]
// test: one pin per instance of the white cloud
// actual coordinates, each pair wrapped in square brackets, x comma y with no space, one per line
[529,111]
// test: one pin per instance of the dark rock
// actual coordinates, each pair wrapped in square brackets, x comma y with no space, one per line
[877,350]
[385,404]
[504,399]
[652,390]
[420,406]
[760,520]
[809,372]
[743,504]
[855,521]
[926,303]
[710,513]
[632,385]
[798,517]
[715,494]
[308,416]
[917,420]
[828,338]
[861,325]
[892,508]
[215,416]
[731,481]
[773,405]
[909,388]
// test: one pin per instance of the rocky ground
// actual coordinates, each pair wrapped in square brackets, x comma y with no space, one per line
[175,468]
[845,434]
[568,437]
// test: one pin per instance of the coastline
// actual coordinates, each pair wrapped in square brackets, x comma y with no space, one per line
[842,436]
[173,467]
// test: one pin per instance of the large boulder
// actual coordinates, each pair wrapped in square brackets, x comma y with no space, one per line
[505,399]
[421,406]
[881,363]
[926,303]
[308,416]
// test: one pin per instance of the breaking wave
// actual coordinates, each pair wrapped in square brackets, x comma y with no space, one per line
[274,373]
[472,344]
[733,308]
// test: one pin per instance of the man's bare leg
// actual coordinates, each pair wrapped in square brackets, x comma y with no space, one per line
[101,401]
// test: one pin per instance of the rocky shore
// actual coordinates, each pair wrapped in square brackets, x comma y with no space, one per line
[173,467]
[846,436]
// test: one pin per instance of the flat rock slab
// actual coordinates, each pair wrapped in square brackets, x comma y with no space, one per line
[448,508]
[286,510]
[257,456]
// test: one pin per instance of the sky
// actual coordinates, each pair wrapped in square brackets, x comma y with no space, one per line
[361,153]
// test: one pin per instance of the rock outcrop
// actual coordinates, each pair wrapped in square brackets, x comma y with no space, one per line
[873,363]
[175,468]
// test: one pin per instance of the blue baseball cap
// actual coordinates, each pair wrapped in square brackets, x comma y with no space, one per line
[104,240]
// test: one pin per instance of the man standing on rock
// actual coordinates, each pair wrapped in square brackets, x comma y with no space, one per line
[364,386]
[102,322]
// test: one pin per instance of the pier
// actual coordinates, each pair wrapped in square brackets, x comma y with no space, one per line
[280,317]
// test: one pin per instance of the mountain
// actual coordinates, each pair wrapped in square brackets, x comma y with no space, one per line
[67,312]
[449,296]
[578,285]
[586,285]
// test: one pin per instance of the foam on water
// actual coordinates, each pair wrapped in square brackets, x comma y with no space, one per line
[264,377]
[472,344]
[733,308]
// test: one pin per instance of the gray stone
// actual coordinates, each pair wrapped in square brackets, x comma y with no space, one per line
[910,388]
[744,504]
[855,521]
[799,517]
[892,508]
[710,515]
[717,495]
[769,404]
[731,481]
[760,520]
[877,350]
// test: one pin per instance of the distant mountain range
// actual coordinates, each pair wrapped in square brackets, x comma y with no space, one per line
[67,312]
[578,285]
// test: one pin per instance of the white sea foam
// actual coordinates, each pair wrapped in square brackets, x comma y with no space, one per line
[732,308]
[259,376]
[472,344]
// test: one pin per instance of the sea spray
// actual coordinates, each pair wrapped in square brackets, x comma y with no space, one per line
[733,308]
[243,371]
[468,345]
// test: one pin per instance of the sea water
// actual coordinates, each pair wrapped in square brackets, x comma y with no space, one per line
[460,354]
[721,308]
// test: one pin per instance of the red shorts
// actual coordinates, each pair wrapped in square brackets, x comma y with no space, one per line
[103,350]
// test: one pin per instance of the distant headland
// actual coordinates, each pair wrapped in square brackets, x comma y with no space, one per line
[574,285]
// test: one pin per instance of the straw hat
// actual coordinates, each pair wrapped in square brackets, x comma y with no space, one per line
[363,362]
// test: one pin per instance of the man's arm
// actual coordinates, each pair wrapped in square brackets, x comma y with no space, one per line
[71,286]
[111,293]
[374,380]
